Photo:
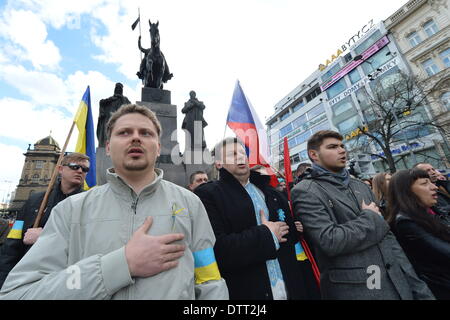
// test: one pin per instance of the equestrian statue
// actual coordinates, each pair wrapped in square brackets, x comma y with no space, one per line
[153,71]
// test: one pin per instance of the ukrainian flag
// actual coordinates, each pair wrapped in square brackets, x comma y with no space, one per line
[300,253]
[86,136]
[16,230]
[206,268]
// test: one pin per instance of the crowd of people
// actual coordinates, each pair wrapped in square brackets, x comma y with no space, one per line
[236,237]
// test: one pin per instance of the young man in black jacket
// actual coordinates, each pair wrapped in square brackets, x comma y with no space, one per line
[72,173]
[257,246]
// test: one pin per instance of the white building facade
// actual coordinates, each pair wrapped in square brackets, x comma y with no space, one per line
[336,97]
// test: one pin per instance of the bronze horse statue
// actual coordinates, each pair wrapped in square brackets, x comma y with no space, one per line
[154,70]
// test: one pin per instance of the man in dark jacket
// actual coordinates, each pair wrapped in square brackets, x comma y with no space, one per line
[257,247]
[357,254]
[22,236]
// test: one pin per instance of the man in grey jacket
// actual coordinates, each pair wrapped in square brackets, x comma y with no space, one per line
[136,237]
[358,256]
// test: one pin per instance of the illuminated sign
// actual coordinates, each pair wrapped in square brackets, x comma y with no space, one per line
[377,46]
[401,149]
[348,44]
[355,133]
[384,68]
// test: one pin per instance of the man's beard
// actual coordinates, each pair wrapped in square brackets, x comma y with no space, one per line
[133,165]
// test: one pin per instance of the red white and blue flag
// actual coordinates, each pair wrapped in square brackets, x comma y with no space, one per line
[244,121]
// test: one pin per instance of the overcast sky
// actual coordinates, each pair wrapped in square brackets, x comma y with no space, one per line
[50,50]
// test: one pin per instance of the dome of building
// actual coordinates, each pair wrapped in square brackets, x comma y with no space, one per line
[47,141]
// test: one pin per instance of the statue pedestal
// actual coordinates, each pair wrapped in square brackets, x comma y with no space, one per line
[177,168]
[103,162]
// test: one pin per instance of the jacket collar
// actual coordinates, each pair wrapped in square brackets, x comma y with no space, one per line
[119,186]
[334,187]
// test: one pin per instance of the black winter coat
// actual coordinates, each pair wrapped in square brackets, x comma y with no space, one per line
[13,250]
[429,255]
[242,247]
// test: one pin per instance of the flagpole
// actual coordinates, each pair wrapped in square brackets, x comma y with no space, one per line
[288,178]
[224,130]
[52,180]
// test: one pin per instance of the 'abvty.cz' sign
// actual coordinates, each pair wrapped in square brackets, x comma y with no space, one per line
[362,32]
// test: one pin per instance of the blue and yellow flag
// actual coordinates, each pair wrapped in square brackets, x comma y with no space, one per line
[86,136]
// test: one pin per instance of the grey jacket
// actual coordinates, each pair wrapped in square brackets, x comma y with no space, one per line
[353,246]
[81,251]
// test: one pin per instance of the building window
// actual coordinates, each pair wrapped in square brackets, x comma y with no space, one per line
[298,106]
[445,99]
[314,112]
[348,125]
[39,164]
[327,75]
[336,88]
[354,76]
[377,60]
[322,126]
[35,178]
[303,155]
[299,121]
[284,116]
[367,43]
[445,56]
[303,137]
[414,39]
[285,130]
[430,28]
[342,107]
[430,67]
[313,94]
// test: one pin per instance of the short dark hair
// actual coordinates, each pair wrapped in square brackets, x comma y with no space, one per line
[132,108]
[317,138]
[192,177]
[418,164]
[302,167]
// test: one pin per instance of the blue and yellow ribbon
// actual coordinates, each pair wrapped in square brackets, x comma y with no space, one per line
[16,230]
[206,268]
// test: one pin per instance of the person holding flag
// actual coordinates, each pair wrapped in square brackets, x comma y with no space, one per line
[68,178]
[72,173]
[257,244]
[86,137]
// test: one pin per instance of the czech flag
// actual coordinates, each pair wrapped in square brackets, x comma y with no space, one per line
[86,136]
[245,123]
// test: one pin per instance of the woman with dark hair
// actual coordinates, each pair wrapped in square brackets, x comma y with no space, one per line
[380,185]
[424,238]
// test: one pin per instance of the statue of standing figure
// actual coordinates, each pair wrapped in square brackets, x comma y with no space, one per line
[193,109]
[153,70]
[107,107]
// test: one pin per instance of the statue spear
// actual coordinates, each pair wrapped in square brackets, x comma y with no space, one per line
[138,21]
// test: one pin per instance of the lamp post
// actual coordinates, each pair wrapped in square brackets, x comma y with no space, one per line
[371,78]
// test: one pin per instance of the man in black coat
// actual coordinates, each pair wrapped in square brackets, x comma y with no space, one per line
[22,236]
[257,247]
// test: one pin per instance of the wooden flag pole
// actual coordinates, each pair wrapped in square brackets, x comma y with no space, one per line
[52,180]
